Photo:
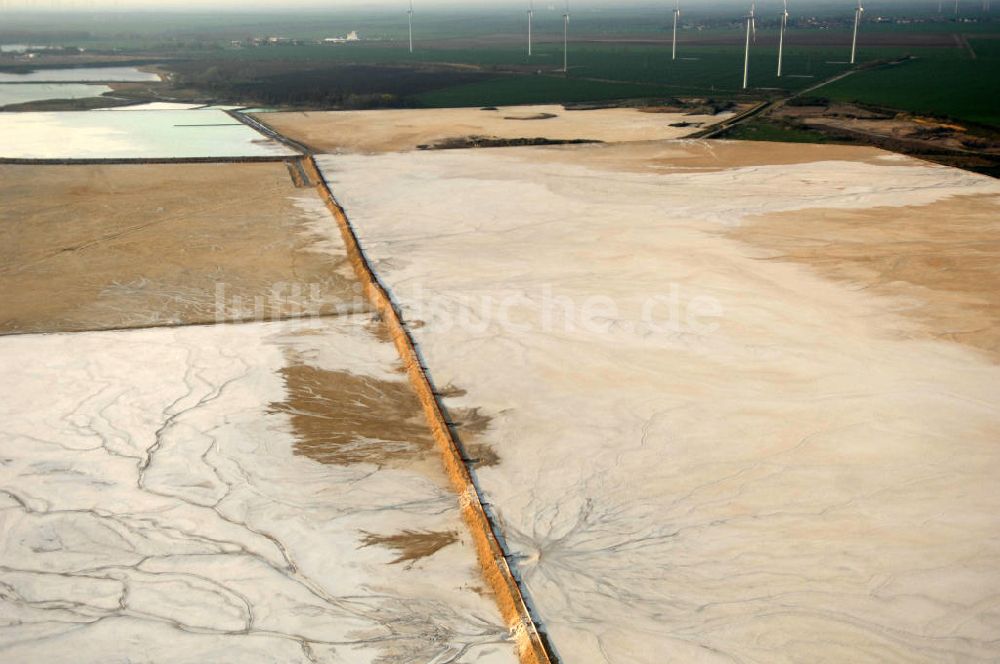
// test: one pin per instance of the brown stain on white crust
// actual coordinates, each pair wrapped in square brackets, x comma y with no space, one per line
[340,418]
[468,426]
[412,545]
[940,261]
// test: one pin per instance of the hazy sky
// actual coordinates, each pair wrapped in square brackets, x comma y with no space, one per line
[316,4]
[328,5]
[251,4]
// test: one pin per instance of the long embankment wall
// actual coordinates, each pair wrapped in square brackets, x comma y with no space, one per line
[531,647]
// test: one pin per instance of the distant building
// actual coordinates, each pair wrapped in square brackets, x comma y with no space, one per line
[351,37]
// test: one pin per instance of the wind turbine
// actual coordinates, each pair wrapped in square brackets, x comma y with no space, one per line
[566,39]
[956,7]
[531,15]
[677,15]
[781,39]
[409,15]
[857,23]
[751,27]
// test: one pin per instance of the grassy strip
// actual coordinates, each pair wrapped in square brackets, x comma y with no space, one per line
[959,88]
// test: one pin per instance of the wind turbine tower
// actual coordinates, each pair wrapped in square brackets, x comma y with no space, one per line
[566,39]
[751,28]
[409,15]
[857,23]
[781,39]
[677,15]
[531,16]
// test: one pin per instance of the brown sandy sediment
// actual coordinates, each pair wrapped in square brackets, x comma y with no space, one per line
[112,247]
[722,155]
[412,545]
[369,132]
[531,647]
[941,262]
[702,155]
[468,425]
[345,419]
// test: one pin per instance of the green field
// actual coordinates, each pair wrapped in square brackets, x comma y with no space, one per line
[937,81]
[479,58]
[952,84]
[699,70]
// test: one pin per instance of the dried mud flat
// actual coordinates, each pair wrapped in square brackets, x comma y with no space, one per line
[169,494]
[196,492]
[801,466]
[98,247]
[368,132]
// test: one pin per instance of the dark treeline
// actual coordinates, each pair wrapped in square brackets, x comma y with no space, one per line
[282,83]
